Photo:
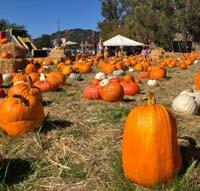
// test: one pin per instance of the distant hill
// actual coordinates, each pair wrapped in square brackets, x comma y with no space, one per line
[76,35]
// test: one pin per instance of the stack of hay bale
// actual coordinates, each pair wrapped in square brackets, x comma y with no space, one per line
[57,54]
[157,52]
[12,58]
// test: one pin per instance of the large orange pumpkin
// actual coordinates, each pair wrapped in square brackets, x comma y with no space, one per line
[112,92]
[157,73]
[91,92]
[19,115]
[56,78]
[130,88]
[150,151]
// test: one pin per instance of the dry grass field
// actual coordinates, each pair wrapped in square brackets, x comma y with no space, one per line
[78,148]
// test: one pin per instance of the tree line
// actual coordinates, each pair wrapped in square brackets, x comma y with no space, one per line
[151,20]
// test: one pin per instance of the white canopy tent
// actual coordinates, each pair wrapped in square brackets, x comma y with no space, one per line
[121,41]
[70,43]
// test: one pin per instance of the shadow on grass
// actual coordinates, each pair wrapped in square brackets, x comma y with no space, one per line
[168,78]
[14,171]
[190,153]
[127,100]
[50,125]
[46,102]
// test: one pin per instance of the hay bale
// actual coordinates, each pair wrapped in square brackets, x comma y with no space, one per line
[12,65]
[157,53]
[13,50]
[56,53]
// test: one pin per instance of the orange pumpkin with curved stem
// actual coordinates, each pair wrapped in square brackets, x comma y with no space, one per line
[19,115]
[150,151]
[35,76]
[25,89]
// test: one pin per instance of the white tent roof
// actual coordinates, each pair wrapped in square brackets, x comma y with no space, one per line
[121,41]
[71,43]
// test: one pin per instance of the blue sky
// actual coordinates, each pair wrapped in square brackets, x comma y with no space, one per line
[42,16]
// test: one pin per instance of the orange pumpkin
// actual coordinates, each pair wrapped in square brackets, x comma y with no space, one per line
[157,73]
[56,78]
[25,89]
[84,68]
[19,77]
[197,81]
[5,54]
[150,151]
[67,70]
[19,115]
[91,92]
[129,77]
[144,75]
[112,92]
[4,41]
[109,68]
[130,88]
[183,66]
[31,68]
[34,76]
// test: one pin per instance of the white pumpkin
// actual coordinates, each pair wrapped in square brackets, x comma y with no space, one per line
[196,62]
[7,77]
[118,72]
[131,70]
[104,82]
[100,76]
[42,77]
[185,104]
[152,83]
[193,93]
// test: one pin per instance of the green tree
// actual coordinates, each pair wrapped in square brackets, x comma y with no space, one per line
[43,41]
[158,19]
[113,12]
[6,25]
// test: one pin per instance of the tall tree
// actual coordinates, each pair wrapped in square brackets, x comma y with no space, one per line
[113,12]
[6,25]
[158,19]
[43,41]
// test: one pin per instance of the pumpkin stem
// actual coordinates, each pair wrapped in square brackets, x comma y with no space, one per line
[22,99]
[151,98]
[30,81]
